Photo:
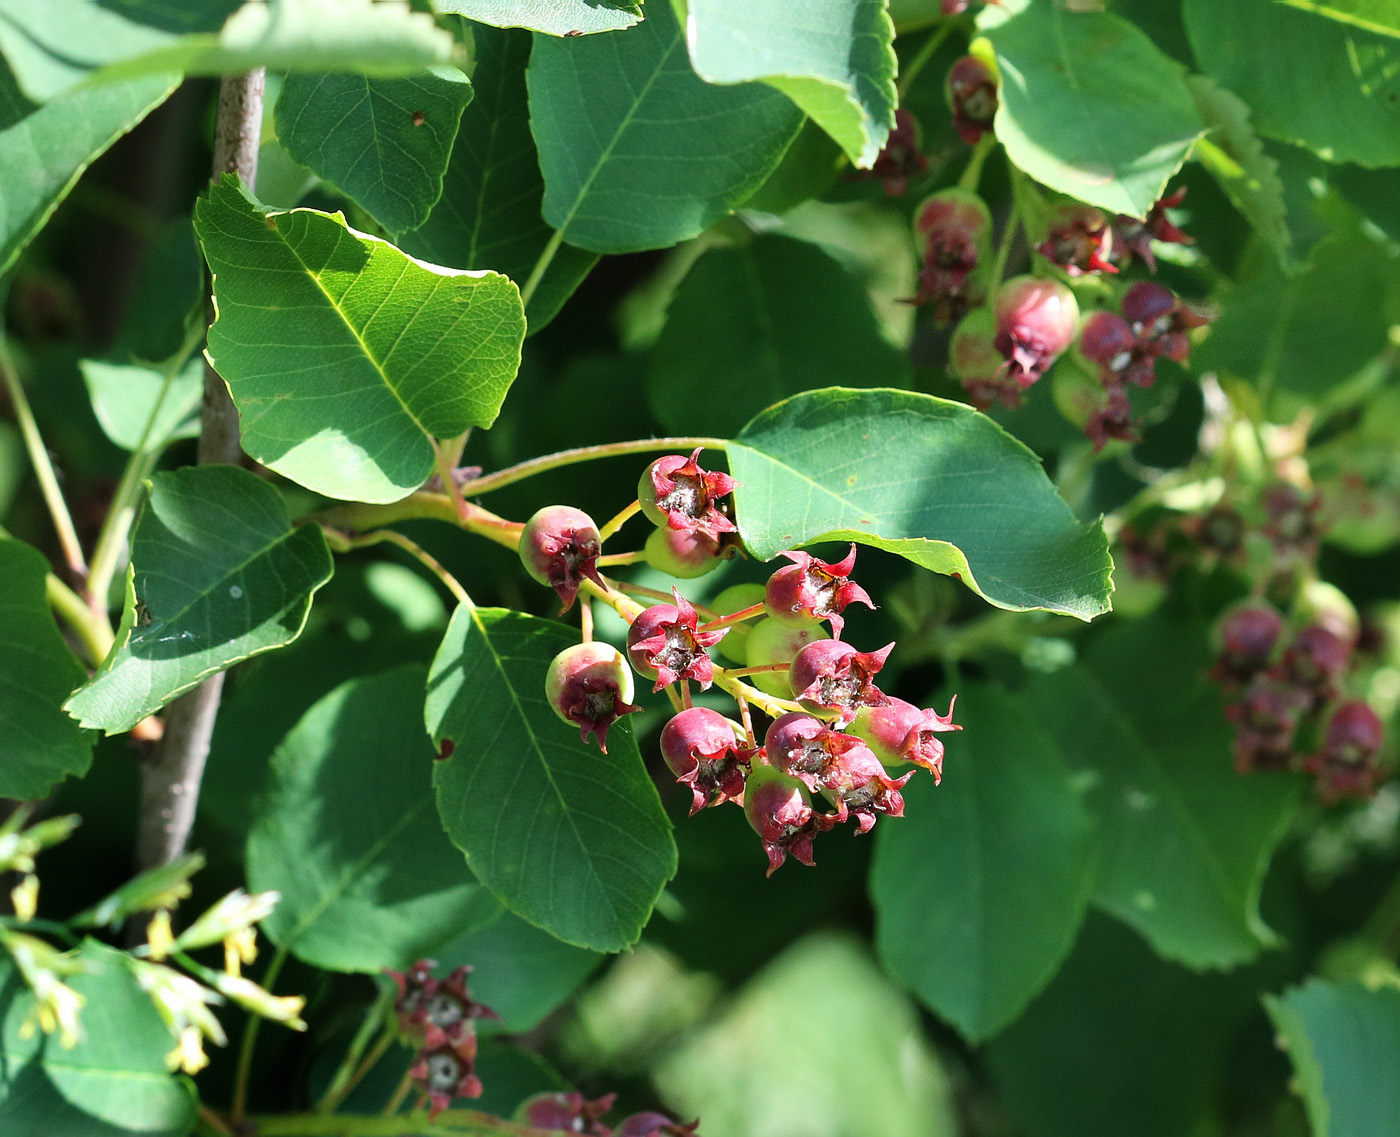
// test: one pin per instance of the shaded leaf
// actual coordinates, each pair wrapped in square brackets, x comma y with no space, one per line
[218,575]
[124,396]
[752,325]
[43,149]
[488,216]
[836,62]
[1339,96]
[40,743]
[636,150]
[571,839]
[1233,154]
[553,17]
[521,972]
[817,1021]
[1342,1039]
[1089,105]
[1121,1042]
[114,1081]
[350,837]
[344,356]
[61,44]
[1309,332]
[979,890]
[384,142]
[1186,840]
[932,480]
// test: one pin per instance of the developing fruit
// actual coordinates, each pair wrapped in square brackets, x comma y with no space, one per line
[590,685]
[971,91]
[676,493]
[682,553]
[702,749]
[559,547]
[665,644]
[1036,322]
[1080,240]
[900,732]
[832,676]
[810,590]
[772,641]
[781,813]
[734,646]
[953,231]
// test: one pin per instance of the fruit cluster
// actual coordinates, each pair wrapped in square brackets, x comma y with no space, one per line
[1288,655]
[440,1016]
[834,731]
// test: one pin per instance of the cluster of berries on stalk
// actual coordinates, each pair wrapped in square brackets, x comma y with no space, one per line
[440,1016]
[833,732]
[1288,656]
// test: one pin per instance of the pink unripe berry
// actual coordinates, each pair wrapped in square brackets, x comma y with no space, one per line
[900,732]
[810,589]
[971,91]
[559,546]
[676,493]
[664,643]
[703,750]
[1036,321]
[1248,635]
[780,811]
[590,685]
[953,231]
[833,677]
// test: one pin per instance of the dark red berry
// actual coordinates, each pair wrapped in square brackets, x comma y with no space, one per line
[1248,635]
[702,749]
[832,676]
[900,161]
[567,1112]
[971,91]
[444,1069]
[1133,238]
[1346,764]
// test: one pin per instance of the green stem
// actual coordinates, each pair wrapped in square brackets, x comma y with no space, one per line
[412,548]
[972,172]
[512,474]
[381,1045]
[624,515]
[374,1020]
[613,560]
[92,628]
[751,612]
[43,467]
[116,526]
[250,1039]
[773,707]
[47,927]
[1008,236]
[401,1091]
[541,267]
[420,506]
[1383,925]
[927,52]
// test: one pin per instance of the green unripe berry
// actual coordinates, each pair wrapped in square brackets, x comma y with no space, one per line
[771,641]
[682,554]
[734,646]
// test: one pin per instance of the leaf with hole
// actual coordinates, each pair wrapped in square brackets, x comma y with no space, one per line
[345,357]
[571,839]
[218,575]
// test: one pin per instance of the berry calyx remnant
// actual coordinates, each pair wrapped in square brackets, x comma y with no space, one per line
[811,590]
[676,493]
[664,643]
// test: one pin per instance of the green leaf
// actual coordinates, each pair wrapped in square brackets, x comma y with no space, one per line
[1121,1042]
[344,356]
[1186,840]
[384,142]
[1233,154]
[818,1042]
[114,1081]
[637,151]
[218,575]
[521,972]
[571,839]
[44,149]
[836,62]
[1089,105]
[552,17]
[61,44]
[125,395]
[932,480]
[41,744]
[979,890]
[1342,1039]
[1309,332]
[488,216]
[1339,95]
[1379,16]
[752,325]
[350,837]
